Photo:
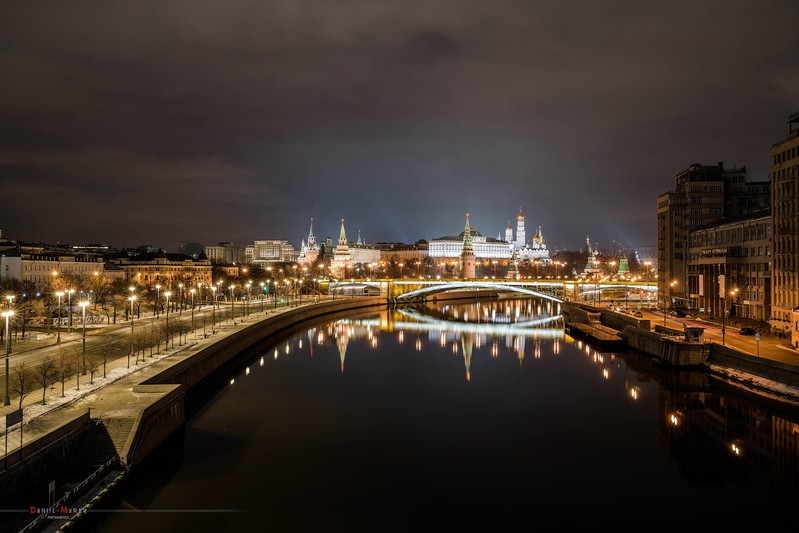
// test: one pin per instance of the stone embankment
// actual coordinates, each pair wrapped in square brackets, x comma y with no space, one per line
[683,348]
[135,415]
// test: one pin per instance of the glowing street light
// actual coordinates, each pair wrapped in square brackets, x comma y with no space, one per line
[132,299]
[83,306]
[263,297]
[58,337]
[232,308]
[7,315]
[213,309]
[192,311]
[69,306]
[167,294]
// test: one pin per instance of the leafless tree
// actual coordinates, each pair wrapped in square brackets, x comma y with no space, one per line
[44,375]
[63,367]
[106,352]
[92,364]
[22,381]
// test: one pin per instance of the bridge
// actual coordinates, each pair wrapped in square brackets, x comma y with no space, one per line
[420,290]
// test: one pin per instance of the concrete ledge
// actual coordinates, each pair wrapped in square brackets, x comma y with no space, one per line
[155,422]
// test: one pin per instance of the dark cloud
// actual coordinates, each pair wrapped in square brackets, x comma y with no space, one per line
[197,120]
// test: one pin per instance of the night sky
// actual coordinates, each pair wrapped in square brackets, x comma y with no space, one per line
[154,122]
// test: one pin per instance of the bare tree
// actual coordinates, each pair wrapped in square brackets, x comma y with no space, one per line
[106,352]
[74,364]
[63,367]
[92,364]
[44,375]
[22,381]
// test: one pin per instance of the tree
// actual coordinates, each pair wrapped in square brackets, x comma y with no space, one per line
[63,367]
[93,363]
[22,381]
[44,375]
[106,352]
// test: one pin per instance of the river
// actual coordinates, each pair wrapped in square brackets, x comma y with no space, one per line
[480,415]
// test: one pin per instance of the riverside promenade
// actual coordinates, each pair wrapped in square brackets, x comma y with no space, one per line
[122,404]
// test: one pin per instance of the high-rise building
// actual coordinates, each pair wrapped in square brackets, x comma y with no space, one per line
[703,194]
[785,220]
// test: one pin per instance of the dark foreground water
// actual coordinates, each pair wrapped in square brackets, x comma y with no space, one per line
[492,421]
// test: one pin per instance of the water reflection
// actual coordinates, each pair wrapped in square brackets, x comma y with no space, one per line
[424,416]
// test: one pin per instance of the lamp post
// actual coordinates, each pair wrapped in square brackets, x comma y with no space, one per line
[58,336]
[263,297]
[180,307]
[274,286]
[192,312]
[213,309]
[733,292]
[232,308]
[83,306]
[7,314]
[69,306]
[167,294]
[157,299]
[132,298]
[667,302]
[249,284]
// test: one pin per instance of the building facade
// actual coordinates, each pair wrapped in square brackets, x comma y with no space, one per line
[703,195]
[162,267]
[785,219]
[729,267]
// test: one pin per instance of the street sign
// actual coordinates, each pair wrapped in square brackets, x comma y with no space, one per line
[757,336]
[14,417]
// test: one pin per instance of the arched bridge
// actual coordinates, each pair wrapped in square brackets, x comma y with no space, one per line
[409,290]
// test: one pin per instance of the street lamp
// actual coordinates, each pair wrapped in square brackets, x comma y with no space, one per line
[192,312]
[167,294]
[668,301]
[263,297]
[733,292]
[249,284]
[232,308]
[274,298]
[180,308]
[132,298]
[83,306]
[157,298]
[58,337]
[7,314]
[213,309]
[69,306]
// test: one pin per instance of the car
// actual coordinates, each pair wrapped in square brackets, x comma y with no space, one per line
[678,313]
[638,314]
[747,331]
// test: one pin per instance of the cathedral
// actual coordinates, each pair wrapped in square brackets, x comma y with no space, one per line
[536,250]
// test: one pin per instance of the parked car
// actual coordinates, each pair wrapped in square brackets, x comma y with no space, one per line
[638,314]
[678,313]
[747,331]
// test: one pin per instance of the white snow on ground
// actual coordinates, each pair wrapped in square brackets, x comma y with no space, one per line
[757,383]
[31,411]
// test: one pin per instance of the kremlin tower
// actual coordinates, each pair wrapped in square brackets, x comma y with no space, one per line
[467,255]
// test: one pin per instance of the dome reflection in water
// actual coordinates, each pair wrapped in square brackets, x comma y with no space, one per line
[463,415]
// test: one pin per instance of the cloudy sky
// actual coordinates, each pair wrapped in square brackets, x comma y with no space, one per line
[154,122]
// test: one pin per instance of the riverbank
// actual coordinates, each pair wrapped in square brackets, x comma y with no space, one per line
[133,415]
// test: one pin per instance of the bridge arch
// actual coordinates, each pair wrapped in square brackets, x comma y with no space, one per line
[459,285]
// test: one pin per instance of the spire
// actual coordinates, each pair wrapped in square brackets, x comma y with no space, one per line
[342,235]
[359,241]
[467,233]
[311,238]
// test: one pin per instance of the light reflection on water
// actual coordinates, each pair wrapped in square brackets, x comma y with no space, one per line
[459,416]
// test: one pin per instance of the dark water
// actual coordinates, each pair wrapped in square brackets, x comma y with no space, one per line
[493,420]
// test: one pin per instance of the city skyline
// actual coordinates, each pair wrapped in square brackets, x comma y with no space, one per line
[241,121]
